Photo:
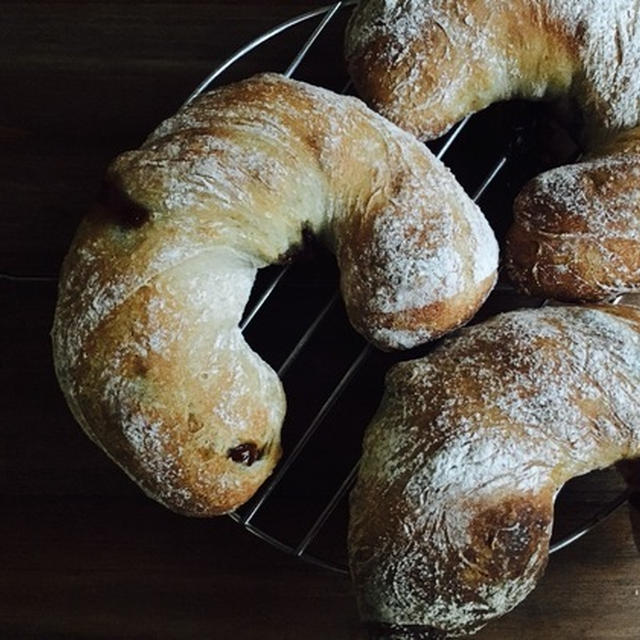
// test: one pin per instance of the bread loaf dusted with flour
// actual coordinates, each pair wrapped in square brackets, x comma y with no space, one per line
[452,512]
[426,64]
[146,340]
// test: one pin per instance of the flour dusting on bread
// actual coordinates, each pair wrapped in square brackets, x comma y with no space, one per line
[452,512]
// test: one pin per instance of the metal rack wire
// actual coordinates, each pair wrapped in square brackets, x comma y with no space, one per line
[246,516]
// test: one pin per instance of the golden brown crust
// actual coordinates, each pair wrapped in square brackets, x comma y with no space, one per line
[146,340]
[441,317]
[576,231]
[452,512]
[153,393]
[426,65]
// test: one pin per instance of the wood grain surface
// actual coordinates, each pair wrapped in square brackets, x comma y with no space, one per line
[83,553]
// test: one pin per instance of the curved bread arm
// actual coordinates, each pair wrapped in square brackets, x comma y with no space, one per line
[576,231]
[453,509]
[146,340]
[425,64]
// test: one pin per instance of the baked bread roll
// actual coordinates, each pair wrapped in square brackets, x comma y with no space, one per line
[576,230]
[426,64]
[452,512]
[146,340]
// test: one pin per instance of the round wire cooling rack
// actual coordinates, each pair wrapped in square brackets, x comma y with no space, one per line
[360,368]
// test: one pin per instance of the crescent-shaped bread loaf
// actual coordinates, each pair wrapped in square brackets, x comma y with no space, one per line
[146,341]
[426,64]
[452,512]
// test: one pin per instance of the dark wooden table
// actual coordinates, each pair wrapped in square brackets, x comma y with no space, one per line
[82,553]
